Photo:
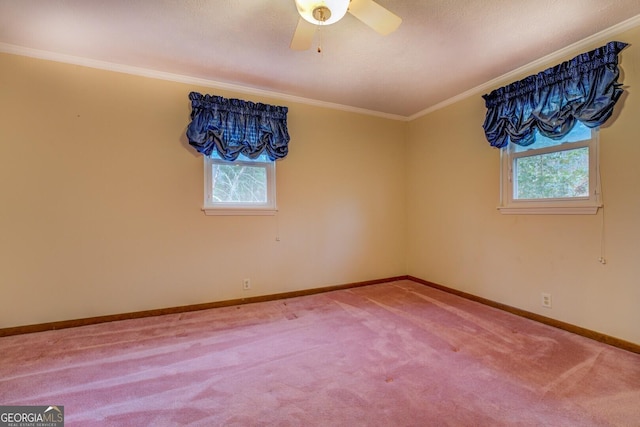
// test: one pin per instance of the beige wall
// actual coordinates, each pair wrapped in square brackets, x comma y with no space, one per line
[101,200]
[101,195]
[459,239]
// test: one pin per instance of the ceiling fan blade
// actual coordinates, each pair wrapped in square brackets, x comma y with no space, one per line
[303,37]
[375,16]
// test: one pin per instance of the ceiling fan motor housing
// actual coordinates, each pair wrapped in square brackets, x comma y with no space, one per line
[322,12]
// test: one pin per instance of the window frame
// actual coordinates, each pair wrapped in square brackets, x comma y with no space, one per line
[211,207]
[556,206]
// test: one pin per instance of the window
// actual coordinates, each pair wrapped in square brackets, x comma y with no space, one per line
[242,187]
[552,176]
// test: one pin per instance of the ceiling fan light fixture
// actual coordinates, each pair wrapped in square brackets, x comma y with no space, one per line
[322,12]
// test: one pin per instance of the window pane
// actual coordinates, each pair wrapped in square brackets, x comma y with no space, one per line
[239,183]
[561,174]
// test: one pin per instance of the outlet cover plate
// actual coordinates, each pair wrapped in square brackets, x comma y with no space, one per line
[546,300]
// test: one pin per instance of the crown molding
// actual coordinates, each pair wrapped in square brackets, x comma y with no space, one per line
[179,78]
[533,66]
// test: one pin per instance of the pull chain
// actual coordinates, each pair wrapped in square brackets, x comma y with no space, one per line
[319,50]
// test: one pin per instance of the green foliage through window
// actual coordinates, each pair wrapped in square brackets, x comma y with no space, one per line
[560,174]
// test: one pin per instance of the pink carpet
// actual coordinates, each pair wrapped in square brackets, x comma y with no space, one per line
[394,354]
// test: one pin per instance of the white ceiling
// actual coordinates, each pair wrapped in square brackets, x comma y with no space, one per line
[443,47]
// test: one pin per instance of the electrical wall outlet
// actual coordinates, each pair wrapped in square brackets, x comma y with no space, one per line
[546,300]
[246,284]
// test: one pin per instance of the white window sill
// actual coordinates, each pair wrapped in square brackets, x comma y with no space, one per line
[238,212]
[548,210]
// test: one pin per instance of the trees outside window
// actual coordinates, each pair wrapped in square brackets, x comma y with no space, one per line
[552,176]
[242,187]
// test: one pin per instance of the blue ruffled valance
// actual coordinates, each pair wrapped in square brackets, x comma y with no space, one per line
[233,127]
[584,88]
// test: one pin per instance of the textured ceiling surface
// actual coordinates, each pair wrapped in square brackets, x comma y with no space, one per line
[442,48]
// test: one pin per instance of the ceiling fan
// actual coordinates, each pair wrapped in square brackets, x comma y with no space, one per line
[325,12]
